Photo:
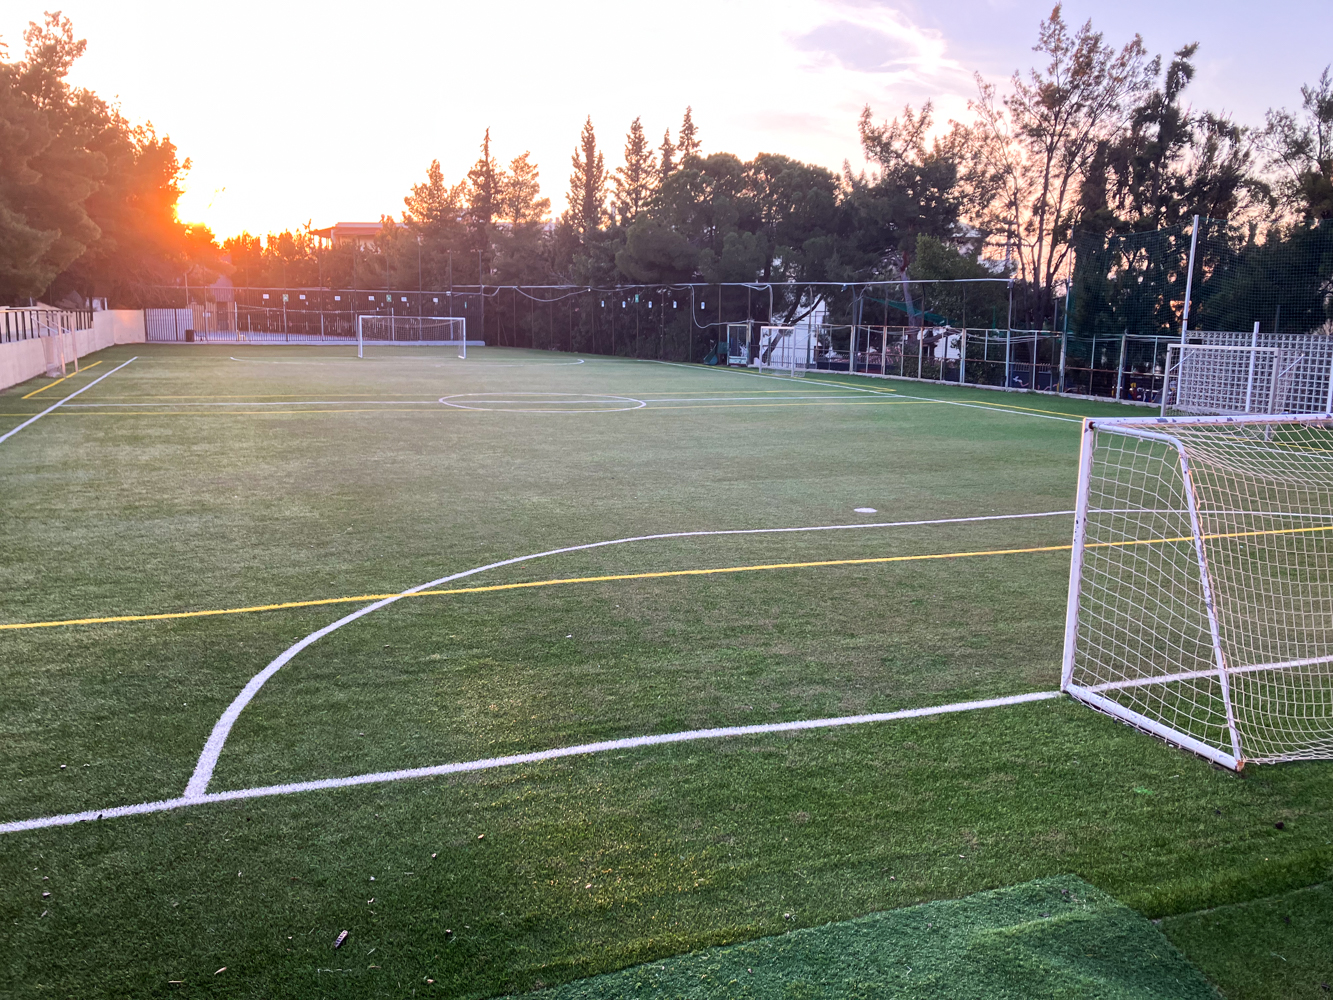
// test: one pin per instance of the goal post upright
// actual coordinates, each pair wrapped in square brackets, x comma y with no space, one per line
[1076,557]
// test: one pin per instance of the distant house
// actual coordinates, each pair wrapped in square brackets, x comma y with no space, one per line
[363,234]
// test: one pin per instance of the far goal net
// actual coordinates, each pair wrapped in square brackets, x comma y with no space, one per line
[443,331]
[1201,591]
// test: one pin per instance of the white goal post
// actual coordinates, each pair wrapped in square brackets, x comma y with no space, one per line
[447,331]
[1200,601]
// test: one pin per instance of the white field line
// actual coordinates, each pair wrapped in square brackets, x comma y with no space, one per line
[32,420]
[380,777]
[217,739]
[878,392]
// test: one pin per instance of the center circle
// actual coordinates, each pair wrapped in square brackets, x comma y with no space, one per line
[542,402]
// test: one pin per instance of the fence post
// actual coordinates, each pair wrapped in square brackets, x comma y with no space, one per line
[1120,365]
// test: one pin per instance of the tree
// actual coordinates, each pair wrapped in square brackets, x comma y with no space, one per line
[434,206]
[1300,149]
[49,169]
[485,188]
[87,201]
[913,188]
[688,145]
[587,185]
[521,203]
[634,181]
[666,157]
[1168,163]
[1040,143]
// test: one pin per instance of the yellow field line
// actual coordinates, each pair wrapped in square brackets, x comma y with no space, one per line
[59,380]
[1028,409]
[641,576]
[525,586]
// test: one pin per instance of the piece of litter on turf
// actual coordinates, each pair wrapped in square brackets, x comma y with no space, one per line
[62,767]
[221,970]
[372,878]
[570,636]
[481,836]
[175,982]
[45,894]
[341,938]
[432,855]
[866,510]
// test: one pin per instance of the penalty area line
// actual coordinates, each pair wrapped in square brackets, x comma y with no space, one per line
[492,763]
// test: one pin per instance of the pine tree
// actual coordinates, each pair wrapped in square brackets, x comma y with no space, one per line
[486,183]
[634,181]
[434,203]
[587,185]
[689,136]
[521,201]
[667,163]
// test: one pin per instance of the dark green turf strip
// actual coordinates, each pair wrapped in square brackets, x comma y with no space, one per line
[1052,937]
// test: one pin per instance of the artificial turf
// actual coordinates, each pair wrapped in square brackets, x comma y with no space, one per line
[150,498]
[1050,938]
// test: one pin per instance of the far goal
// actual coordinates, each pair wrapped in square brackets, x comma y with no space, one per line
[440,331]
[1201,591]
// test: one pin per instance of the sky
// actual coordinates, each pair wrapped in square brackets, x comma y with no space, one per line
[293,112]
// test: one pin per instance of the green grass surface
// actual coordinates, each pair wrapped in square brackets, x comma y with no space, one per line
[139,500]
[1050,938]
[1276,948]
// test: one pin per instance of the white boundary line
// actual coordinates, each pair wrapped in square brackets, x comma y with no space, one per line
[217,739]
[32,420]
[379,777]
[998,408]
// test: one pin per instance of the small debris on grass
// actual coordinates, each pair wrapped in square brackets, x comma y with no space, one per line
[44,913]
[372,878]
[45,895]
[1279,825]
[570,636]
[482,836]
[341,938]
[786,916]
[448,932]
[432,856]
[175,982]
[431,982]
[220,971]
[62,767]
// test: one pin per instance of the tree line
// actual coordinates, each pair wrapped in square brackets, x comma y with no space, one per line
[1097,141]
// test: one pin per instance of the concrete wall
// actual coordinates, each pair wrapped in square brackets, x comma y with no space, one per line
[25,359]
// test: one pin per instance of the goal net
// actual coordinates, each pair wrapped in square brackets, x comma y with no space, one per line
[1201,593]
[447,331]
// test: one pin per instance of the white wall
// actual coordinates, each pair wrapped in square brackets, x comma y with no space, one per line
[25,359]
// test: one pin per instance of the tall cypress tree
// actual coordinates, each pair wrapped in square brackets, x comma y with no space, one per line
[587,185]
[689,136]
[486,183]
[666,162]
[634,180]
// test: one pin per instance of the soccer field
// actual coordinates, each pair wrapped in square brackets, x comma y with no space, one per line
[604,549]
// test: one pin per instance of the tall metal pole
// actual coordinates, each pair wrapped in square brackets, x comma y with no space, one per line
[1189,281]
